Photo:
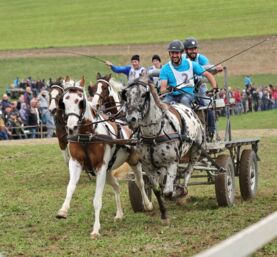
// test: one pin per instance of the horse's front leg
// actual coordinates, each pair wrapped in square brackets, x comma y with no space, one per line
[148,206]
[97,200]
[170,178]
[75,170]
[115,185]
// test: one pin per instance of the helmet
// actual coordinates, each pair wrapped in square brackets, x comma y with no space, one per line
[175,46]
[190,42]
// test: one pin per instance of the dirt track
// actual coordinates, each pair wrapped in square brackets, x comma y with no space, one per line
[259,60]
[235,133]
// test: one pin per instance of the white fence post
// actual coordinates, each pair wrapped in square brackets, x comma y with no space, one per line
[246,241]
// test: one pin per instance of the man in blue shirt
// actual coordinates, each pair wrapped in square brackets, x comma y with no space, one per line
[191,52]
[133,71]
[178,74]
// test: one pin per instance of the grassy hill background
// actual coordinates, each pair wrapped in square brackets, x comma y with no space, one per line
[51,23]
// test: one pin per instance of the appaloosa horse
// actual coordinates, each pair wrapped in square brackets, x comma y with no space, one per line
[91,146]
[166,134]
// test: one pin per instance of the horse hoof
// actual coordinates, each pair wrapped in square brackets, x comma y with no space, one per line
[168,195]
[148,207]
[181,191]
[61,214]
[182,201]
[94,236]
[166,222]
[118,218]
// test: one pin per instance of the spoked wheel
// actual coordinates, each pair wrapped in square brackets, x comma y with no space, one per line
[248,174]
[135,195]
[225,182]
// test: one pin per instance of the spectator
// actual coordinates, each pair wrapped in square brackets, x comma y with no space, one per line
[33,117]
[5,102]
[46,117]
[238,101]
[3,130]
[247,81]
[28,95]
[133,71]
[274,96]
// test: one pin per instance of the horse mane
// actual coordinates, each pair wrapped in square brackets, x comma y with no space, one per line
[156,97]
[116,85]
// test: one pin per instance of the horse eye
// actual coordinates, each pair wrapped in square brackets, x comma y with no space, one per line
[143,95]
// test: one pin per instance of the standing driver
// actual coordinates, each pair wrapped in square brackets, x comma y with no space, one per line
[178,74]
[133,71]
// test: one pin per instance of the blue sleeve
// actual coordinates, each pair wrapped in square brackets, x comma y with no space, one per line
[163,74]
[197,68]
[121,69]
[203,60]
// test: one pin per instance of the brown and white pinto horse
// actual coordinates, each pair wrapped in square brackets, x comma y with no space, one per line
[56,108]
[88,147]
[105,93]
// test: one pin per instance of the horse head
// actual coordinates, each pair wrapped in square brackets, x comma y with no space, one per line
[105,93]
[55,95]
[137,98]
[74,102]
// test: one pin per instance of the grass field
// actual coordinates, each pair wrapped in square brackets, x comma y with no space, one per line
[251,121]
[49,23]
[33,185]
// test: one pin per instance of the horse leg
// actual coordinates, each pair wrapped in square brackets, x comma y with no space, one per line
[148,206]
[100,183]
[115,185]
[75,170]
[66,156]
[194,156]
[162,208]
[170,178]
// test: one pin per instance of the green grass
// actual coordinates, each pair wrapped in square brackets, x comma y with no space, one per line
[50,23]
[252,120]
[32,192]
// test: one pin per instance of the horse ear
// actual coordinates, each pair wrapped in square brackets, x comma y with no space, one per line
[82,82]
[82,104]
[98,76]
[123,95]
[109,77]
[61,104]
[67,78]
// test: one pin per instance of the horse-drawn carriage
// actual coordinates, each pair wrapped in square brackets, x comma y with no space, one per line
[220,162]
[173,150]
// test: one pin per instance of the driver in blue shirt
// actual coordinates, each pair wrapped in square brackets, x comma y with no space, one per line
[177,75]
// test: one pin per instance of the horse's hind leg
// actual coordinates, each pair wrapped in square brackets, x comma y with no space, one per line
[194,156]
[75,170]
[148,206]
[115,185]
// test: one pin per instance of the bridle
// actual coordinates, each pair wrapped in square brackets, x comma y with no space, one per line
[144,109]
[58,96]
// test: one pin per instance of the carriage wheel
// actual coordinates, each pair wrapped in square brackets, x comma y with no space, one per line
[135,195]
[248,174]
[225,182]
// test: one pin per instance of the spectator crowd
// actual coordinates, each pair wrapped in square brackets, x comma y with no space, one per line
[24,107]
[24,110]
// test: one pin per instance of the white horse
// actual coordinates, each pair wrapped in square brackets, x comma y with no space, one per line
[88,147]
[167,134]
